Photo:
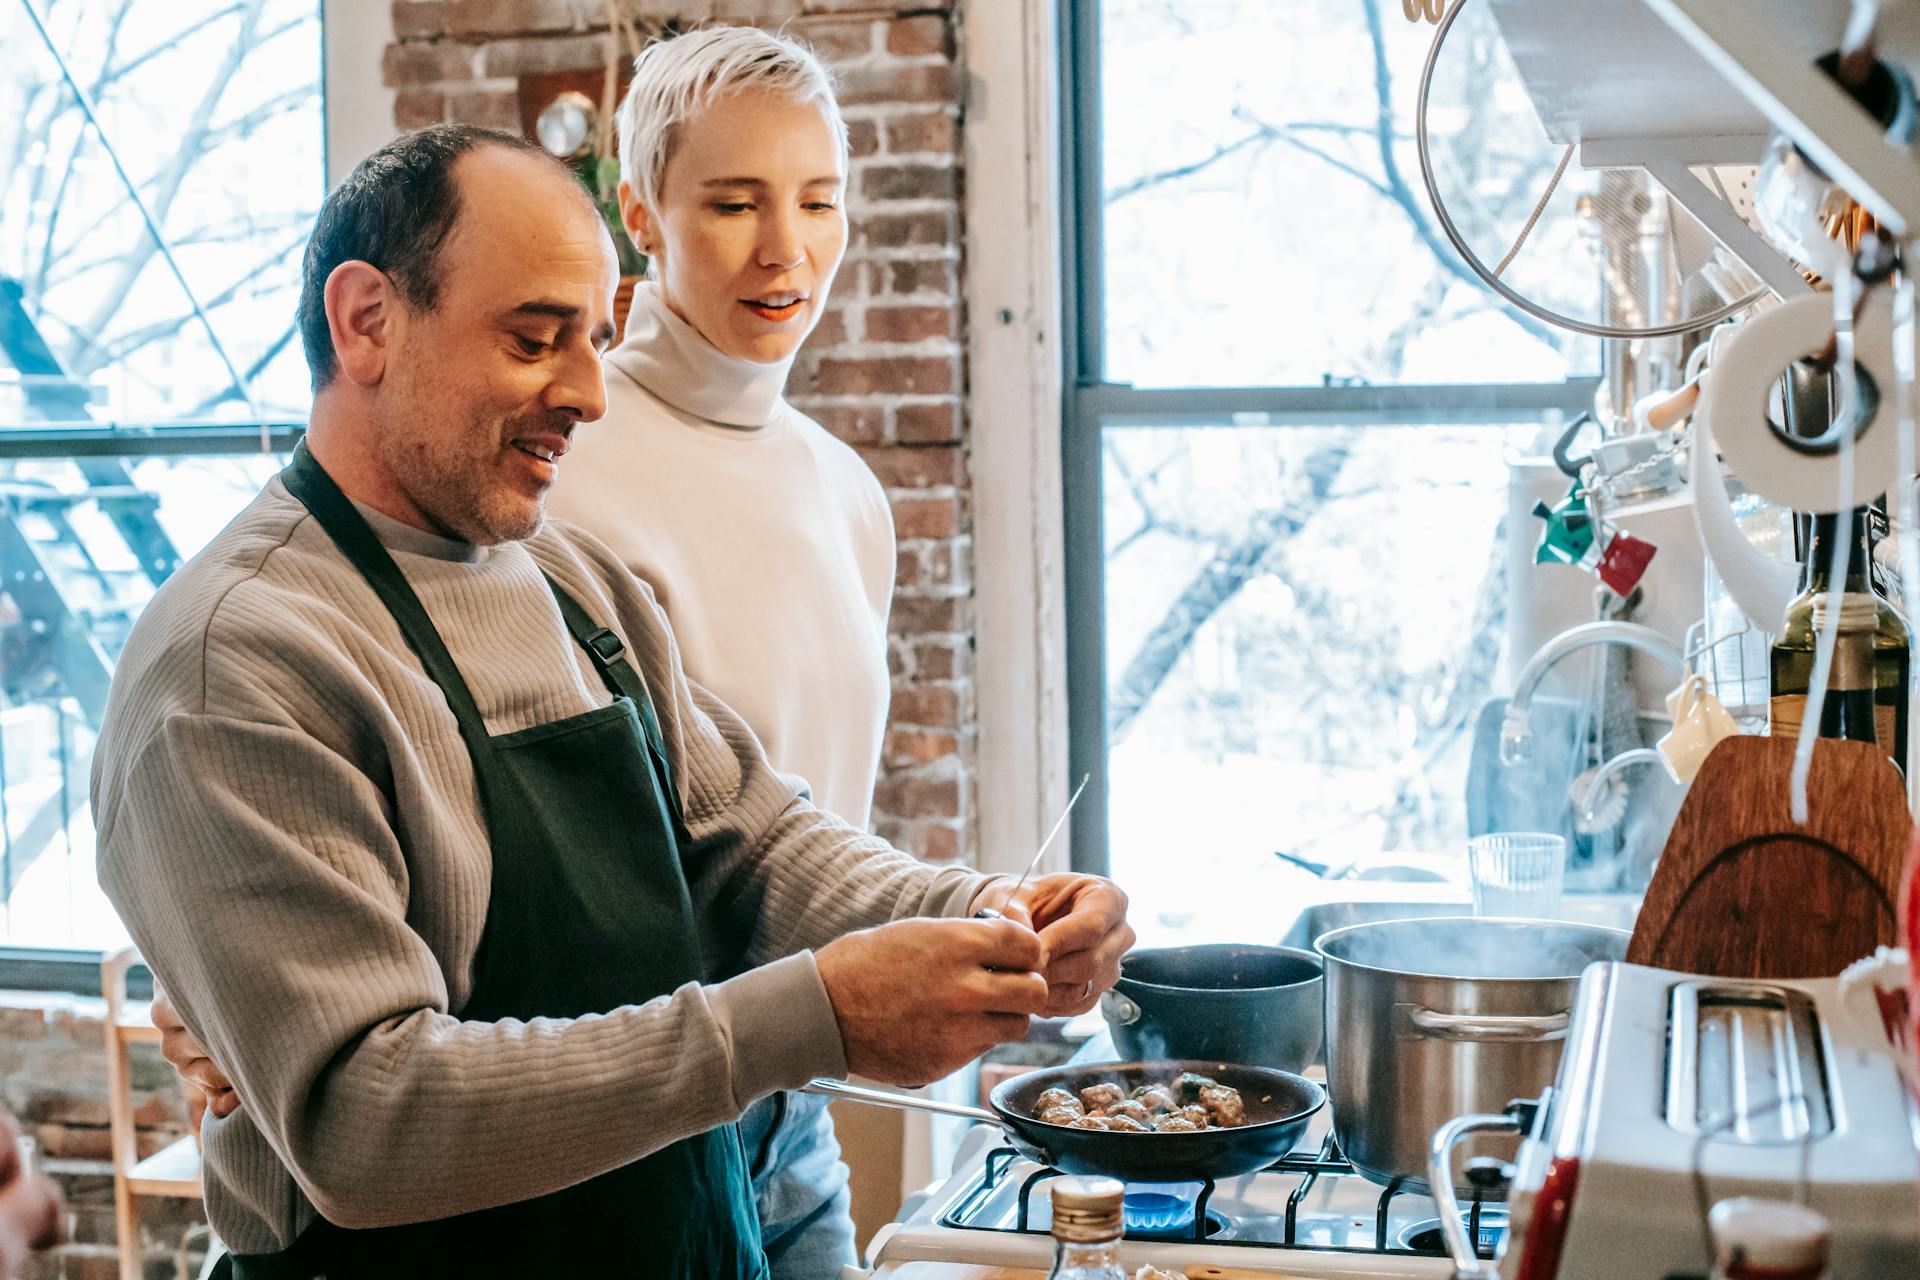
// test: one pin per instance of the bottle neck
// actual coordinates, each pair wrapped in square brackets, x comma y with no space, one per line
[1825,529]
[1081,1261]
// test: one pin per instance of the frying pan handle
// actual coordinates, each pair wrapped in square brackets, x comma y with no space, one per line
[1492,1028]
[1466,1259]
[899,1101]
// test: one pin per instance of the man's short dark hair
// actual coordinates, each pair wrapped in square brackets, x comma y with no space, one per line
[393,211]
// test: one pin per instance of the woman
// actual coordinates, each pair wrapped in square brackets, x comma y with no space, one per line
[768,541]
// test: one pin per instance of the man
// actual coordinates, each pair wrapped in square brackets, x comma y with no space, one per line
[473,847]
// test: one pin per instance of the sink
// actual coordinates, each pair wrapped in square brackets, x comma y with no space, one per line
[1613,910]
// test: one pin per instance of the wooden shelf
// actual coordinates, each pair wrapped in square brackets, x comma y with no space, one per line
[135,1024]
[1613,77]
[173,1170]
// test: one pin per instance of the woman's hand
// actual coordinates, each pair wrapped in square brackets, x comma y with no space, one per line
[29,1205]
[208,1088]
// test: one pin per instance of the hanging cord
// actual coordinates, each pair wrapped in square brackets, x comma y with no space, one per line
[1553,184]
[623,46]
[609,84]
[1845,286]
[1904,337]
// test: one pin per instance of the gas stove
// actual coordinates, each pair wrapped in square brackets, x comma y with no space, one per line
[1309,1216]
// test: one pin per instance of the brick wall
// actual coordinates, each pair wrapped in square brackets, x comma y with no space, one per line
[884,371]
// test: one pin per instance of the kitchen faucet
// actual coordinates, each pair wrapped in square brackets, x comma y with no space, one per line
[1516,731]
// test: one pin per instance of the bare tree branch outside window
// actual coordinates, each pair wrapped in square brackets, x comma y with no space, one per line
[1267,551]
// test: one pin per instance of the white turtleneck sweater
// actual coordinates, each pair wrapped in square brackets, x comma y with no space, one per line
[767,541]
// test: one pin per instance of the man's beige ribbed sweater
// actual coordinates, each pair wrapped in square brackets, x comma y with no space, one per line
[289,827]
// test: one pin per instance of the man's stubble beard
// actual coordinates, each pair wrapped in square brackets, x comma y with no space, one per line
[446,483]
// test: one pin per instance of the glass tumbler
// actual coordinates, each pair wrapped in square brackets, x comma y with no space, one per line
[1517,873]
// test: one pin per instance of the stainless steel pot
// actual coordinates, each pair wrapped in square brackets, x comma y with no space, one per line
[1436,1018]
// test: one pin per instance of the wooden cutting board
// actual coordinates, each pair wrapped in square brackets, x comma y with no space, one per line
[1741,891]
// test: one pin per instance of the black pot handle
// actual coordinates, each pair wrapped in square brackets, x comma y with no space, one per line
[1119,1010]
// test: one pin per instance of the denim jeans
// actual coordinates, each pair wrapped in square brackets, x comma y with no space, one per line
[800,1186]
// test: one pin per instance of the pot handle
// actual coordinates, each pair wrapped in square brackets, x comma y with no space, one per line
[1494,1028]
[1118,1009]
[899,1101]
[1466,1258]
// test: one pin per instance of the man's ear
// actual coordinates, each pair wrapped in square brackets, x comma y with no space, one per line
[638,220]
[362,309]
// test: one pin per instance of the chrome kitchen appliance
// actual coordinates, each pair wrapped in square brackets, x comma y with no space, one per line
[1677,1091]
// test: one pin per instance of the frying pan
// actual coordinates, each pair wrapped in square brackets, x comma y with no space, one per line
[1279,1106]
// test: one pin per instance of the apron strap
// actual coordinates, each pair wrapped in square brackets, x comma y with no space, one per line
[608,653]
[308,481]
[605,649]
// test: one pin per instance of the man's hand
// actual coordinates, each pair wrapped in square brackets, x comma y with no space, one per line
[208,1088]
[29,1205]
[1082,921]
[918,999]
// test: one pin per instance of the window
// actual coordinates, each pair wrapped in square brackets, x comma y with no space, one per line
[164,160]
[1286,454]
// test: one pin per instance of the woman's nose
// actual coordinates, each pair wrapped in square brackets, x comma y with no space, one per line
[780,241]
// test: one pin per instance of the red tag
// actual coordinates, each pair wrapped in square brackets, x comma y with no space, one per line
[1625,559]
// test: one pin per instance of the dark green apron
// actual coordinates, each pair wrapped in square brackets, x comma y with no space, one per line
[589,910]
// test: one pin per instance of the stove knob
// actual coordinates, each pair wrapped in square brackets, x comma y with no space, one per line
[1489,1175]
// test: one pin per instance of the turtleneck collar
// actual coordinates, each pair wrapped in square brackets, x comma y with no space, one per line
[667,356]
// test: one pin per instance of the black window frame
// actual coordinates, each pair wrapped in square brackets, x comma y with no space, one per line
[76,970]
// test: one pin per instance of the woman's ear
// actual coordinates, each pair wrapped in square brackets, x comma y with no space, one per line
[638,220]
[362,309]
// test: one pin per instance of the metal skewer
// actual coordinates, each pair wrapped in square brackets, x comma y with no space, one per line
[989,913]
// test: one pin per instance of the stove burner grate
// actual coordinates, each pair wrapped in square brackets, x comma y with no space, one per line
[1159,1216]
[1485,1227]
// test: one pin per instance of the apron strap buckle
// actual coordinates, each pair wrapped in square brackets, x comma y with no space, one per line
[605,643]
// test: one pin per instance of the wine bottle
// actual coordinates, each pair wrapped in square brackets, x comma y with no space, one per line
[1866,696]
[1087,1229]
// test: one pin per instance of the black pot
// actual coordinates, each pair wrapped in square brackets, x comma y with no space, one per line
[1256,1006]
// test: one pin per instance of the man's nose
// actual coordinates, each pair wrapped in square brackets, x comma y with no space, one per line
[579,387]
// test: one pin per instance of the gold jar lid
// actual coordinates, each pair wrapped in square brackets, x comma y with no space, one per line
[1087,1210]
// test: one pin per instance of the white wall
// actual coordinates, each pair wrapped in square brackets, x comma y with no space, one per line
[1015,376]
[359,106]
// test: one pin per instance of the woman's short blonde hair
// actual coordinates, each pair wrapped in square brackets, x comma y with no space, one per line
[677,76]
